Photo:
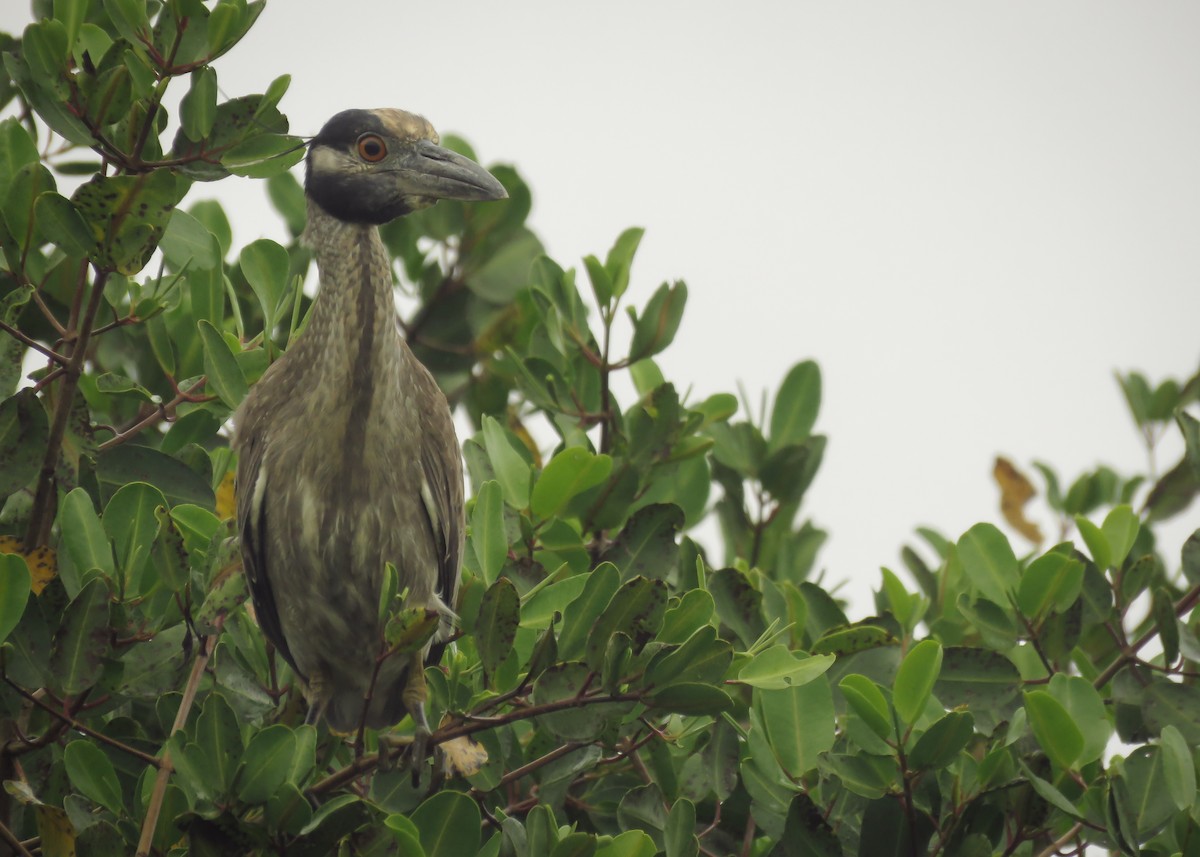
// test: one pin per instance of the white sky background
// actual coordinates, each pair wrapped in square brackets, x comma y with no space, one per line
[969,214]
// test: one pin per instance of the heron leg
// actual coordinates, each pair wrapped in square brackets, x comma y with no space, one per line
[414,696]
[318,699]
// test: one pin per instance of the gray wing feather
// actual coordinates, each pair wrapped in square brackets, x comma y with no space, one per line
[441,466]
[252,524]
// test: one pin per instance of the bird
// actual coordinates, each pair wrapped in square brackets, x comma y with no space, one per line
[347,454]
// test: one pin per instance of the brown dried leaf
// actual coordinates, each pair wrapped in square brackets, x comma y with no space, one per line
[1015,491]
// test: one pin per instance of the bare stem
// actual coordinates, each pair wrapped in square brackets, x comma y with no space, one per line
[1184,604]
[80,727]
[33,343]
[154,808]
[461,728]
[43,500]
[11,840]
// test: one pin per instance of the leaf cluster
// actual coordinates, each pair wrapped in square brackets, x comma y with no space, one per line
[615,688]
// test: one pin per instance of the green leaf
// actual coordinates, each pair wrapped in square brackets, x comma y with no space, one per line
[24,433]
[889,831]
[1052,581]
[619,261]
[1086,709]
[14,592]
[656,328]
[539,606]
[216,749]
[1053,728]
[799,723]
[127,216]
[1179,770]
[132,463]
[694,610]
[91,771]
[635,610]
[488,537]
[915,679]
[131,524]
[265,266]
[776,668]
[690,699]
[581,615]
[1190,426]
[1168,703]
[631,843]
[266,764]
[82,642]
[868,702]
[187,242]
[198,108]
[942,742]
[1139,792]
[496,628]
[1162,608]
[1120,528]
[1049,793]
[263,155]
[680,832]
[1096,542]
[702,657]
[647,545]
[571,472]
[738,604]
[225,376]
[566,681]
[83,535]
[989,562]
[512,470]
[996,626]
[806,832]
[796,405]
[57,217]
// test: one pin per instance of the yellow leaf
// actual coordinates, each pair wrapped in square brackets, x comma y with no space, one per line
[1015,491]
[464,757]
[42,562]
[56,831]
[226,498]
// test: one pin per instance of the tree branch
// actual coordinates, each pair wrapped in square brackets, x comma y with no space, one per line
[462,728]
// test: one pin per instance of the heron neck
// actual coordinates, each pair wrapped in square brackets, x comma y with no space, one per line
[352,327]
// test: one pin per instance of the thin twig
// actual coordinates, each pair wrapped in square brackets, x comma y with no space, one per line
[33,343]
[154,808]
[1052,849]
[457,730]
[41,514]
[13,842]
[86,730]
[530,767]
[1184,604]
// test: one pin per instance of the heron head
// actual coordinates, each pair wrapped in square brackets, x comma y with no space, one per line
[372,166]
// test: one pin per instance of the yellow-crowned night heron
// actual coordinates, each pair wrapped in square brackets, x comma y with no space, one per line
[347,456]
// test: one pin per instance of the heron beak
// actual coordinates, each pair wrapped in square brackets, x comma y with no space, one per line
[432,171]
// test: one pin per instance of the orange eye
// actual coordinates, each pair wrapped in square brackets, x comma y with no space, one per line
[371,148]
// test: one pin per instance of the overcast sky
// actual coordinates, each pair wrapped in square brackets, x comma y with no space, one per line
[970,214]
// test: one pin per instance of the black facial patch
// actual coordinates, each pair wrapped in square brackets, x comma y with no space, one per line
[355,198]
